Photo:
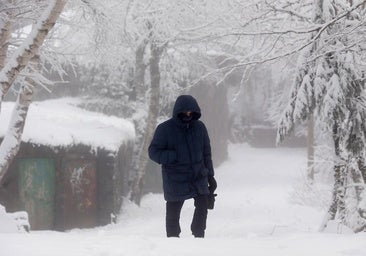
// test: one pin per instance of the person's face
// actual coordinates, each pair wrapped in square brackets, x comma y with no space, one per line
[188,113]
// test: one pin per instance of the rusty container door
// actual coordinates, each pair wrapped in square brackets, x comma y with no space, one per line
[80,193]
[37,191]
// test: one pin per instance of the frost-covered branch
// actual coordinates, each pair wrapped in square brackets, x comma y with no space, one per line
[317,29]
[287,11]
[28,49]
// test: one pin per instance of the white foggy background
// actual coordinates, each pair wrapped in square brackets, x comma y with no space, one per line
[265,204]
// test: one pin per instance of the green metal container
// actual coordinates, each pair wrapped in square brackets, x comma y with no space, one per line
[37,181]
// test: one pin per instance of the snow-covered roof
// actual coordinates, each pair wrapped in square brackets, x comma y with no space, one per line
[60,122]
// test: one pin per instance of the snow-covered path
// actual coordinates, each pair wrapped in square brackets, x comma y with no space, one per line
[254,215]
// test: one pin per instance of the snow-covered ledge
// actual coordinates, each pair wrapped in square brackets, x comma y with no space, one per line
[60,123]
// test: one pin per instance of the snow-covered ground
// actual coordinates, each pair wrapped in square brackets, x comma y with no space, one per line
[255,214]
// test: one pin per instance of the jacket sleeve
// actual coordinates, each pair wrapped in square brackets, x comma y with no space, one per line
[207,152]
[158,149]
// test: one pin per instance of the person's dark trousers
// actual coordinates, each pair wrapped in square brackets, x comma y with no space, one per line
[172,218]
[198,225]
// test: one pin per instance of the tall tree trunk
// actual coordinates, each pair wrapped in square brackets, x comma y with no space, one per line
[138,96]
[153,113]
[338,186]
[359,186]
[5,33]
[356,176]
[10,145]
[12,140]
[310,145]
[139,73]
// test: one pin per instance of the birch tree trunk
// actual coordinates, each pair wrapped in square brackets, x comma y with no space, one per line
[153,113]
[11,143]
[12,140]
[5,33]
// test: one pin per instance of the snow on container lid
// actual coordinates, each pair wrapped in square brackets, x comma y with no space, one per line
[60,122]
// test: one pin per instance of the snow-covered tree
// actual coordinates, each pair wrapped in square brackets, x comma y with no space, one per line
[330,82]
[12,66]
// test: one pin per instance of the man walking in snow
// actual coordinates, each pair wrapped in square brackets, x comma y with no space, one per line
[182,146]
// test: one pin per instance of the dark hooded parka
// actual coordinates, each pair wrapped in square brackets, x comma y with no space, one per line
[183,149]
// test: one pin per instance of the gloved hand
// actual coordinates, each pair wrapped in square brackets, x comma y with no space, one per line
[211,201]
[212,184]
